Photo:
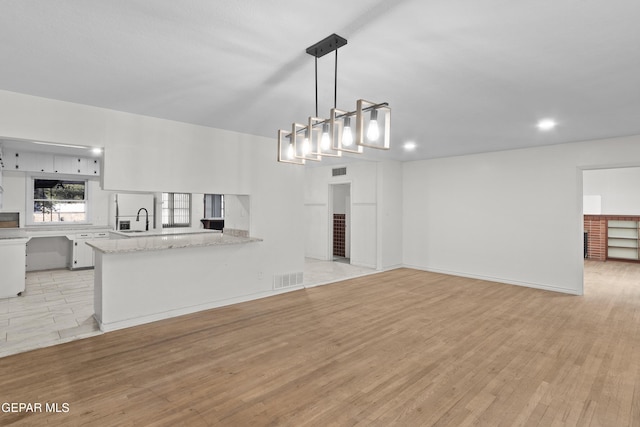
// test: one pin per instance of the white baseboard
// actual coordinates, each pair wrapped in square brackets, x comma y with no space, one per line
[127,323]
[497,280]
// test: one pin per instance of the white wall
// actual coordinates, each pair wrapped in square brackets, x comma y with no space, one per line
[15,188]
[316,212]
[376,203]
[591,205]
[197,210]
[390,215]
[157,155]
[340,194]
[276,214]
[618,189]
[237,211]
[15,193]
[154,155]
[50,252]
[511,216]
[364,214]
[100,201]
[363,179]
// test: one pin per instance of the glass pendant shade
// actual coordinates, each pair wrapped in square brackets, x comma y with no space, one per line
[342,128]
[305,145]
[287,149]
[325,140]
[373,122]
[322,135]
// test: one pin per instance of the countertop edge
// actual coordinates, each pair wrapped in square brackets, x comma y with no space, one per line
[34,232]
[135,243]
[13,240]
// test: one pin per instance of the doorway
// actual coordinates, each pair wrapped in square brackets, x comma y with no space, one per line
[611,222]
[340,222]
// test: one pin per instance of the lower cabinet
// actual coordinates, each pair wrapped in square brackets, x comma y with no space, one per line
[81,253]
[12,267]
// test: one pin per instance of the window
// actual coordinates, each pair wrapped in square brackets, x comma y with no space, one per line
[59,201]
[214,206]
[176,210]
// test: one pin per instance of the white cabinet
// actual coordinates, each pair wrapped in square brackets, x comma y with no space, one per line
[28,161]
[36,162]
[64,164]
[71,165]
[81,253]
[93,167]
[31,162]
[12,267]
[10,160]
[76,165]
[81,166]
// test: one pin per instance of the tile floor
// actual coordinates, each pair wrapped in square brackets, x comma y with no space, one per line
[318,272]
[57,305]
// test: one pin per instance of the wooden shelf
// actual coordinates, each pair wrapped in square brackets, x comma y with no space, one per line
[623,239]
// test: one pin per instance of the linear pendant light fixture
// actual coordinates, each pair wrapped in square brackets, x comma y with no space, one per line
[344,131]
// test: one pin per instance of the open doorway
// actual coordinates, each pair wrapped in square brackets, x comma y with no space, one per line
[611,219]
[340,222]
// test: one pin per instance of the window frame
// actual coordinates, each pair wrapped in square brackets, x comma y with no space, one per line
[30,178]
[171,211]
[212,208]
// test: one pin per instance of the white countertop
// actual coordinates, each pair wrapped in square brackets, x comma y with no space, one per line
[12,233]
[68,231]
[66,228]
[164,232]
[63,230]
[4,240]
[167,241]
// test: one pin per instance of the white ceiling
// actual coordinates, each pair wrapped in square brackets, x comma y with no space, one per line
[461,76]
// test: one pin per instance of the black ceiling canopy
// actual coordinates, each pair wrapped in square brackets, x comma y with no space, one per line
[327,45]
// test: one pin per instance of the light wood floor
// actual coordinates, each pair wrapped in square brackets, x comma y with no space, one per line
[404,348]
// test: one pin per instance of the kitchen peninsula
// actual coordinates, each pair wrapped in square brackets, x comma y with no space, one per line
[156,276]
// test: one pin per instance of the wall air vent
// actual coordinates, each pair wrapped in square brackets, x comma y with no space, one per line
[287,280]
[339,171]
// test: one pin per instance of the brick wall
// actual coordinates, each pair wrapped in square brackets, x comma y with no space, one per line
[596,226]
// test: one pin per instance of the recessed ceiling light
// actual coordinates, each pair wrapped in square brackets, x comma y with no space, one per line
[409,146]
[547,124]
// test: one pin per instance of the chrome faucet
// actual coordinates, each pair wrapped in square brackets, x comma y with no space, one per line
[138,217]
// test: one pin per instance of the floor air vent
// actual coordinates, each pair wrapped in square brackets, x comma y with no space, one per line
[281,281]
[339,171]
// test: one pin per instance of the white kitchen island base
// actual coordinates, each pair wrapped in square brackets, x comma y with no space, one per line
[151,278]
